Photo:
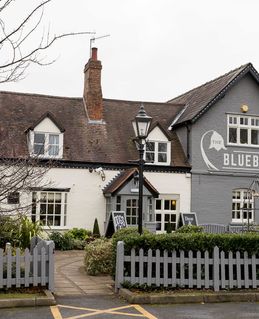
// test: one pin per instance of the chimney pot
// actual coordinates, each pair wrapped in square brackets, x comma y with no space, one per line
[94,54]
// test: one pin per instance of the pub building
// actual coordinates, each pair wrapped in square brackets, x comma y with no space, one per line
[219,131]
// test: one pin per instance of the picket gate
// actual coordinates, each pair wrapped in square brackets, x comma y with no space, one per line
[31,268]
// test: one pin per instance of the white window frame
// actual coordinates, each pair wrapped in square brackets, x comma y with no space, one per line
[238,126]
[156,152]
[169,211]
[63,215]
[130,217]
[46,145]
[238,206]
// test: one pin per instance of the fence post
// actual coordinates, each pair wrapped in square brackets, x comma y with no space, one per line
[51,266]
[216,268]
[119,265]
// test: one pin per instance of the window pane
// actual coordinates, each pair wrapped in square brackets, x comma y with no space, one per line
[53,150]
[43,197]
[158,204]
[162,147]
[50,209]
[232,135]
[38,149]
[158,217]
[173,218]
[162,157]
[150,146]
[39,138]
[43,209]
[173,204]
[254,137]
[13,198]
[53,139]
[243,136]
[58,197]
[51,197]
[57,221]
[166,204]
[150,157]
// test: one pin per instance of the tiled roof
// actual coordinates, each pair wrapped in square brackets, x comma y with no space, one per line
[122,178]
[110,143]
[199,99]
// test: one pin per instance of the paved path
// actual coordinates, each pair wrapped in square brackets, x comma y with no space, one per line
[71,279]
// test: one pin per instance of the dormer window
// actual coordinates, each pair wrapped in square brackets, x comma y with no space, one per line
[158,147]
[157,152]
[46,144]
[46,138]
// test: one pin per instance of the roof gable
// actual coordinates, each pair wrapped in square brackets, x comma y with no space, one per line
[200,99]
[44,116]
[162,130]
[122,179]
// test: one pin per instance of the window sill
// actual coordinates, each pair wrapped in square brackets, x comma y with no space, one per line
[56,228]
[242,145]
[46,156]
[156,163]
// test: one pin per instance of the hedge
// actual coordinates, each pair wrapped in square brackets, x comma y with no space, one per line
[189,241]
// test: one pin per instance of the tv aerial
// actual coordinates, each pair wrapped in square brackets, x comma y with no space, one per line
[93,39]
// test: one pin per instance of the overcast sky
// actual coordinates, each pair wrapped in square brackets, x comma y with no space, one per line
[157,49]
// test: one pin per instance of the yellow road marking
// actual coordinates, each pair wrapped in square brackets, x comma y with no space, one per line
[55,312]
[93,312]
[144,312]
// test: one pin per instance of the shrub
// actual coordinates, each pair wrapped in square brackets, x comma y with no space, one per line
[96,230]
[27,230]
[80,233]
[62,241]
[98,257]
[190,229]
[18,231]
[8,231]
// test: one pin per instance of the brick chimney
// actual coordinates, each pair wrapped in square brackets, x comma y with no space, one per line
[92,88]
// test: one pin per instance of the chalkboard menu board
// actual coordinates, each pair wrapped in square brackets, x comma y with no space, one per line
[189,219]
[116,221]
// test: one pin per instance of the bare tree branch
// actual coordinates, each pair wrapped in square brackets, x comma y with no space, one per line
[18,52]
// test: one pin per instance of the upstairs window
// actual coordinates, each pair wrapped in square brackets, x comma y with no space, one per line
[243,130]
[46,144]
[157,153]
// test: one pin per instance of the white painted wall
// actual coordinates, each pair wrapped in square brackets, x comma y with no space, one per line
[46,126]
[175,184]
[157,135]
[86,201]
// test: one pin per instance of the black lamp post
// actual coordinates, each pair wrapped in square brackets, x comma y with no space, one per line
[141,126]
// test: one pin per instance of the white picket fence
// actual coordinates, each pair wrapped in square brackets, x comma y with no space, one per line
[218,270]
[35,268]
